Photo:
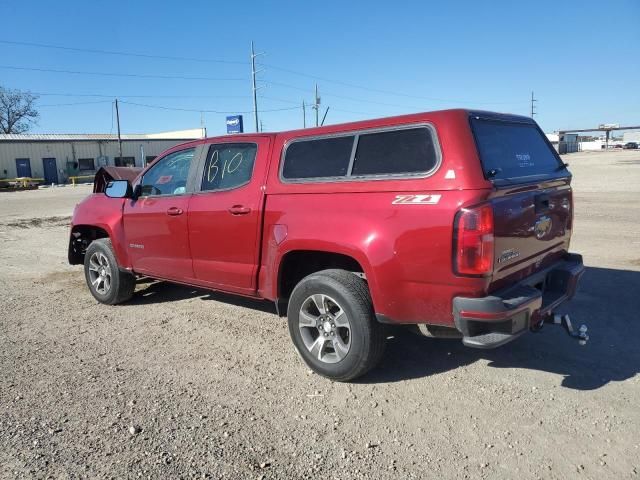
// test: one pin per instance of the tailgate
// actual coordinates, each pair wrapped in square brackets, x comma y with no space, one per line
[532,229]
[532,199]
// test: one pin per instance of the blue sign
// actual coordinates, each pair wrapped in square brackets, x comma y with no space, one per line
[234,124]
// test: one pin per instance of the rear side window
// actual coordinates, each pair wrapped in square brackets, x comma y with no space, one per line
[228,165]
[513,150]
[395,152]
[318,158]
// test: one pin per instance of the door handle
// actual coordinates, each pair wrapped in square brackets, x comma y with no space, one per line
[239,210]
[173,211]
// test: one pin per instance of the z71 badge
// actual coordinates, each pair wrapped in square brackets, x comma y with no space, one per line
[416,199]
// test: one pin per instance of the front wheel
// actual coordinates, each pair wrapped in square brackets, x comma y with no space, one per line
[106,282]
[333,326]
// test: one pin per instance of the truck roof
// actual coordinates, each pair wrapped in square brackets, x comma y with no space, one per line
[382,121]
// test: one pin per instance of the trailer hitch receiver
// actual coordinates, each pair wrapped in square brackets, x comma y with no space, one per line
[580,335]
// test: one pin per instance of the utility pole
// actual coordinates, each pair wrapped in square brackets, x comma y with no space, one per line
[304,116]
[533,105]
[119,138]
[317,105]
[255,89]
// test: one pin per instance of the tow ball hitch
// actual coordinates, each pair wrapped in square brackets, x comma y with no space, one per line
[581,335]
[564,321]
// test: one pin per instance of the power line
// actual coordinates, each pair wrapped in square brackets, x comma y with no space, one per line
[163,107]
[278,99]
[361,100]
[100,95]
[111,74]
[127,54]
[70,104]
[376,90]
[339,96]
[266,97]
[373,102]
[274,67]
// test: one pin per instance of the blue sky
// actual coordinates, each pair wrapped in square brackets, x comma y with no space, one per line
[582,59]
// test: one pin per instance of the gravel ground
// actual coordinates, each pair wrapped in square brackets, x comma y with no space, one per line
[182,383]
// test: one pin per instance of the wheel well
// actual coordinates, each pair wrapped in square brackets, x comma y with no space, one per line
[81,237]
[298,264]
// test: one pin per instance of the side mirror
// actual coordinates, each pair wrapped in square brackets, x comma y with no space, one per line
[119,189]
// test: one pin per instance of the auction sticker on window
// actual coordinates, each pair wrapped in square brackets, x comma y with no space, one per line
[524,160]
[164,179]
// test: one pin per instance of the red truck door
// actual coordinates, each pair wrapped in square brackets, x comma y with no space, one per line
[225,214]
[155,223]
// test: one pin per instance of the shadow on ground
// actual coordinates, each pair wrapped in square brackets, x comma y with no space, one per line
[152,291]
[608,302]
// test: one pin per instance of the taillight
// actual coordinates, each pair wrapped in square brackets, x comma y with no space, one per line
[473,236]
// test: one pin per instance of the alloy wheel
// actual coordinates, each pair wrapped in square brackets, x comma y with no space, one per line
[325,328]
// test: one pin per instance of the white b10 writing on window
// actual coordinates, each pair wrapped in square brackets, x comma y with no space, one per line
[228,165]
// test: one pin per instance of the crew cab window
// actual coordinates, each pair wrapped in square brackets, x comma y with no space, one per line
[318,158]
[168,176]
[228,165]
[395,152]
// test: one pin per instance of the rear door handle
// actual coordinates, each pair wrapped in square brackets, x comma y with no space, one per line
[173,211]
[239,210]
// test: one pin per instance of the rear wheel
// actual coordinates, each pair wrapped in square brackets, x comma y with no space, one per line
[106,282]
[333,326]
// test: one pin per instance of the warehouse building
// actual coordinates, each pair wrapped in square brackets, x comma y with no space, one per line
[56,158]
[564,143]
[633,136]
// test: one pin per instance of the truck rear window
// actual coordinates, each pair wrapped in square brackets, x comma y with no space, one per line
[513,150]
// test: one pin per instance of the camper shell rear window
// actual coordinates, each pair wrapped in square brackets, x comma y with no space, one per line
[514,151]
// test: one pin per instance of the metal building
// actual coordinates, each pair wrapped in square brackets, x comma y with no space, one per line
[631,137]
[57,157]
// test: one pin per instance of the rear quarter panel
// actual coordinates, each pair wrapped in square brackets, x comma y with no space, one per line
[405,250]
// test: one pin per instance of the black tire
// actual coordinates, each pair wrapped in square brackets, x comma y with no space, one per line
[366,336]
[121,284]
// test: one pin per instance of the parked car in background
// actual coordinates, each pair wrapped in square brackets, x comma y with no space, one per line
[454,222]
[630,146]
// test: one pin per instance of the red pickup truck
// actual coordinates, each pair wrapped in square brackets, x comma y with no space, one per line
[455,222]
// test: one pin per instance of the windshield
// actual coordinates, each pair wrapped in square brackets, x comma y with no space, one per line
[513,150]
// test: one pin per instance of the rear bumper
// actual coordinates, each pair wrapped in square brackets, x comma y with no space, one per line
[503,316]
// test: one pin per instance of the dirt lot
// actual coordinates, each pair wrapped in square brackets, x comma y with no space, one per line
[211,388]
